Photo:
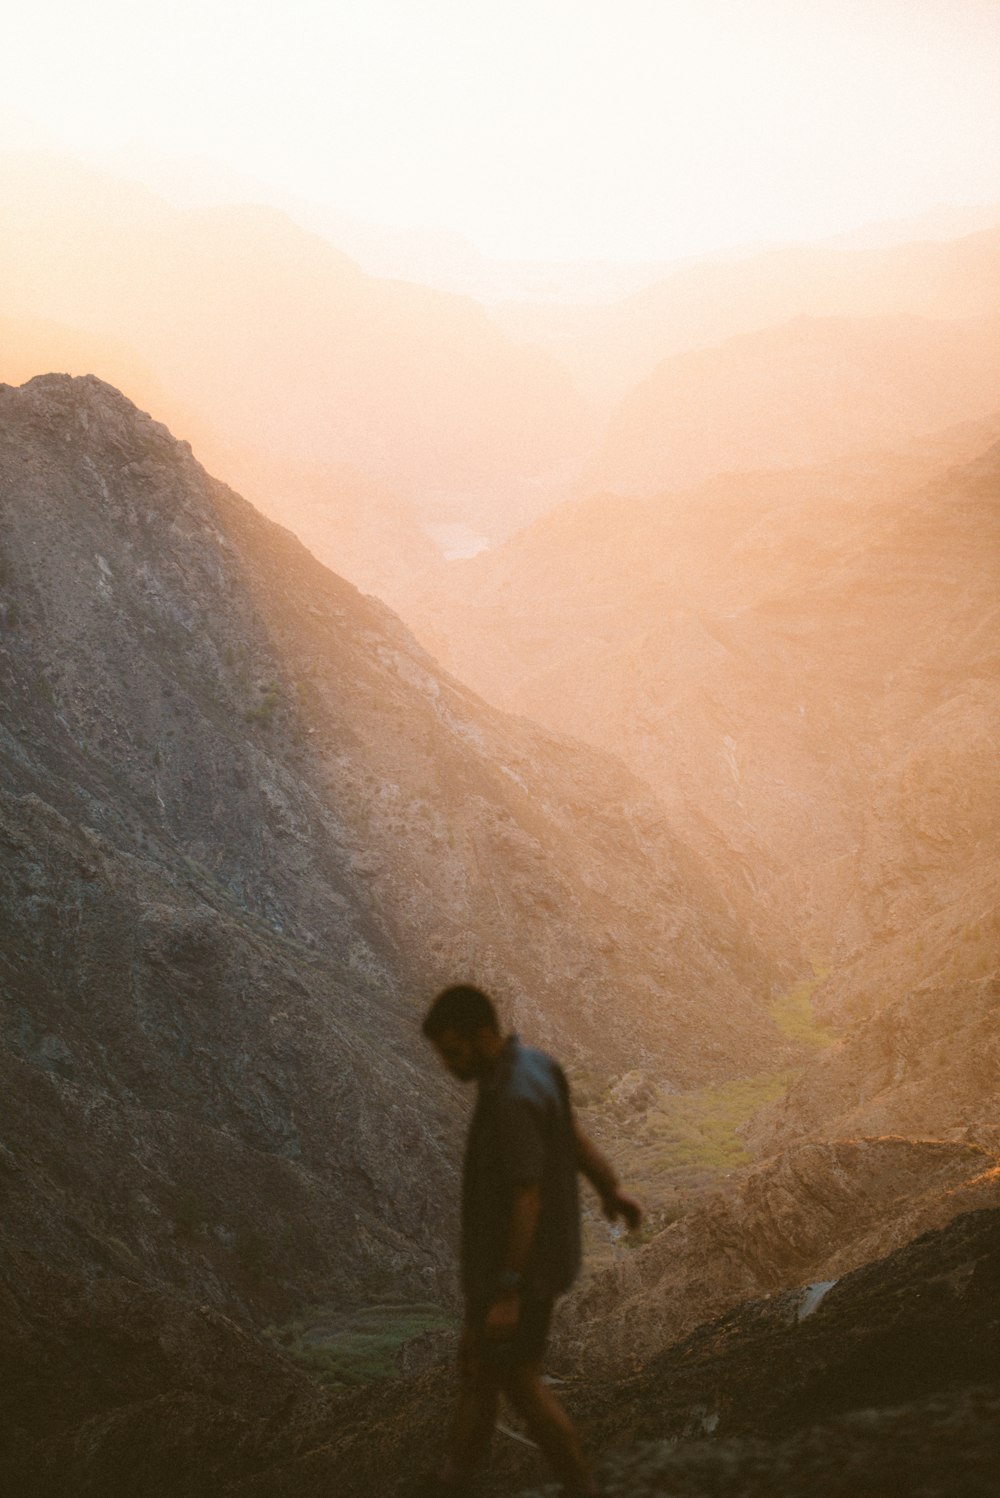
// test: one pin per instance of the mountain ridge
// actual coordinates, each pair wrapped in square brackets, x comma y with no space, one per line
[255,826]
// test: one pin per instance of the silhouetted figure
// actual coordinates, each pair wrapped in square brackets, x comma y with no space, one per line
[520,1233]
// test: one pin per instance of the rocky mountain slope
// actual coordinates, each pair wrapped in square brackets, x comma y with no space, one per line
[246,828]
[925,1064]
[888,1383]
[809,1215]
[247,825]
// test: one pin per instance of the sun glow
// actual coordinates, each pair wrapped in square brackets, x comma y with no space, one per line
[541,128]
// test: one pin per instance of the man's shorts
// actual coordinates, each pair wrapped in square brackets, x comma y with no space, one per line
[527,1342]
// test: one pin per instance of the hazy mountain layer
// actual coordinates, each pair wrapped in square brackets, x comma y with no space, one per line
[611,349]
[802,665]
[400,405]
[414,388]
[802,392]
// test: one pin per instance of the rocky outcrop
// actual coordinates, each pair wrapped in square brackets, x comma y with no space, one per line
[890,1383]
[907,1339]
[812,1214]
[938,1446]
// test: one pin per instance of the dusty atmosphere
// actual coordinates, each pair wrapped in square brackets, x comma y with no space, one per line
[545,559]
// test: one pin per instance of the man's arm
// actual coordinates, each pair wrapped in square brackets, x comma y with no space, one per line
[504,1313]
[601,1175]
[526,1206]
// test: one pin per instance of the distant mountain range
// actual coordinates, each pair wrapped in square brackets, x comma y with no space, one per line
[279,346]
[806,391]
[612,349]
[443,411]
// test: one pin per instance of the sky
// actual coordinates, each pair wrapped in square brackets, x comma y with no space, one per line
[539,129]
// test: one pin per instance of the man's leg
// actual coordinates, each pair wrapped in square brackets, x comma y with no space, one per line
[475,1413]
[550,1426]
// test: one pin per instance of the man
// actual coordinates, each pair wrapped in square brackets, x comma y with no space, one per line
[520,1233]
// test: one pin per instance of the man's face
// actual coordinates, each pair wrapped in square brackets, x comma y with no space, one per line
[461,1054]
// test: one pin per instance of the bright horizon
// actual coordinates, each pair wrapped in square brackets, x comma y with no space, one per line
[539,129]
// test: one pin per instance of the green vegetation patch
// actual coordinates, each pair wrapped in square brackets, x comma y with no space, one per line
[686,1141]
[697,1130]
[793,1014]
[671,1152]
[346,1348]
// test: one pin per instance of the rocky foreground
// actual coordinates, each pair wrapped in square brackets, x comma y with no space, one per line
[885,1382]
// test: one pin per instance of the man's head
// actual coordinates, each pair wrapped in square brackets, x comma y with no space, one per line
[462,1026]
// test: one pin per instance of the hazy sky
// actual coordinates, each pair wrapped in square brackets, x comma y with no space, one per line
[541,128]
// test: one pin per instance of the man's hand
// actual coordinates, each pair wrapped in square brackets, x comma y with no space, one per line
[615,1201]
[503,1316]
[618,1203]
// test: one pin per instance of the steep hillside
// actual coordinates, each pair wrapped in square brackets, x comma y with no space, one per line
[811,1215]
[926,1064]
[247,828]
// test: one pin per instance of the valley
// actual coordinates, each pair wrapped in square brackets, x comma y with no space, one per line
[693,767]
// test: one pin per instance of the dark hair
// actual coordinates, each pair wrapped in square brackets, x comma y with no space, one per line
[463,1009]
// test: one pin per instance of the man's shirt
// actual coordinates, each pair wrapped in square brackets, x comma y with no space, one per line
[521,1134]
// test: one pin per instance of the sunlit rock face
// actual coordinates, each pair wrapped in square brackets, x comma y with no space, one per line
[803,666]
[811,1214]
[248,828]
[927,1065]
